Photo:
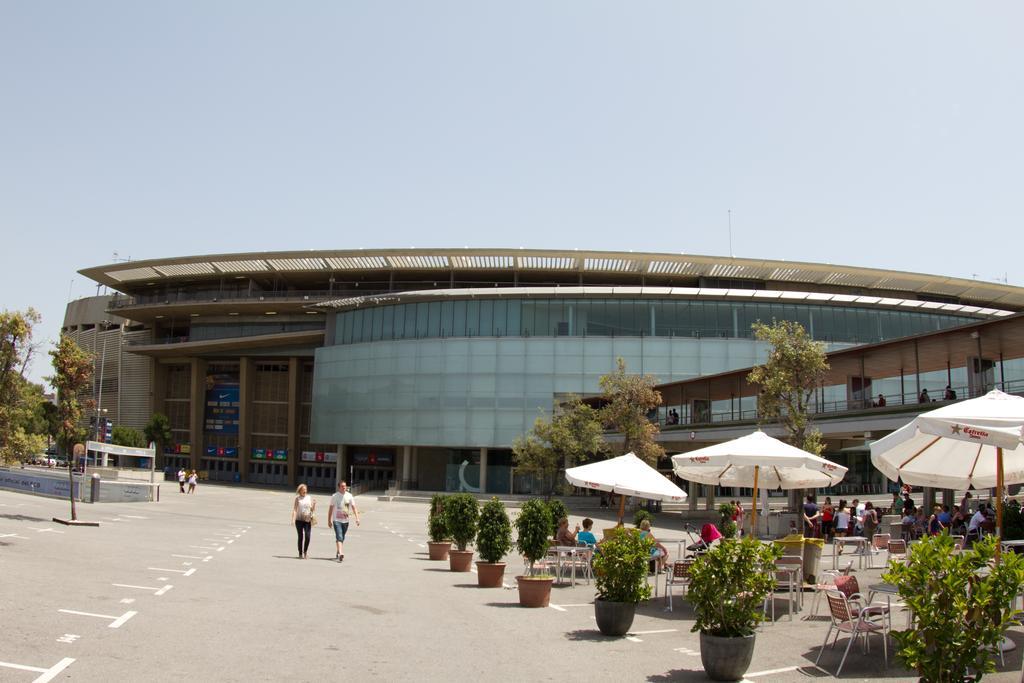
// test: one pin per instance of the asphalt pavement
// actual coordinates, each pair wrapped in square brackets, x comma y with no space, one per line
[210,587]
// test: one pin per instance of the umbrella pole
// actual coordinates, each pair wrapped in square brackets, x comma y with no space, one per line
[622,506]
[999,500]
[753,507]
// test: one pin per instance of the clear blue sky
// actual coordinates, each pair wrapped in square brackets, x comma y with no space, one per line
[870,133]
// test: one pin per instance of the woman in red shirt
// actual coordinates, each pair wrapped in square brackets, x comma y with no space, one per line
[827,519]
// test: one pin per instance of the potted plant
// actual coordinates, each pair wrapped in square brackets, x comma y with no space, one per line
[493,541]
[728,585]
[621,572]
[461,513]
[960,614]
[533,527]
[437,529]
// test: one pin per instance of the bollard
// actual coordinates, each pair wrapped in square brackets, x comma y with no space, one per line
[94,489]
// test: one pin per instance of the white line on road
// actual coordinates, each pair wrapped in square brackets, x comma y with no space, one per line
[50,530]
[583,604]
[204,547]
[156,591]
[660,630]
[771,672]
[24,538]
[421,545]
[47,674]
[127,601]
[633,639]
[557,607]
[193,557]
[135,516]
[164,589]
[220,549]
[116,623]
[186,572]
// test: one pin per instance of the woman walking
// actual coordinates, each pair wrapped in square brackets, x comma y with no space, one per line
[193,479]
[302,517]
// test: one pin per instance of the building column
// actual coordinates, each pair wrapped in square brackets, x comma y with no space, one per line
[692,492]
[948,498]
[406,467]
[156,401]
[246,375]
[294,370]
[483,470]
[415,466]
[710,497]
[339,472]
[197,410]
[929,499]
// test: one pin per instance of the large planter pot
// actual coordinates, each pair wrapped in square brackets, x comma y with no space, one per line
[490,574]
[726,659]
[534,591]
[460,560]
[439,549]
[614,618]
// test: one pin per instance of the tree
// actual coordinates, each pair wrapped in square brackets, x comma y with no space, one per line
[126,436]
[16,351]
[72,376]
[796,366]
[629,399]
[158,431]
[573,433]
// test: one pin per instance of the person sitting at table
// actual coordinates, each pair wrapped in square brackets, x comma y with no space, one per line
[957,521]
[659,553]
[563,536]
[920,523]
[976,524]
[949,394]
[908,503]
[880,403]
[586,537]
[924,398]
[935,525]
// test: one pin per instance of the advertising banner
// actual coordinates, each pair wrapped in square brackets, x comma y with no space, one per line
[52,487]
[222,403]
[318,456]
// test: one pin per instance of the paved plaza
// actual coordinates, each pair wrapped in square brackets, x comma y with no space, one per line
[209,587]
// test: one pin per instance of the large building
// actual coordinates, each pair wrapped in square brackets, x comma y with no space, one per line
[420,367]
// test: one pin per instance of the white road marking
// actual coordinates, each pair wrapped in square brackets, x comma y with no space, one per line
[114,519]
[421,545]
[186,572]
[220,549]
[156,591]
[53,671]
[204,558]
[135,516]
[50,530]
[204,547]
[127,601]
[660,630]
[686,651]
[24,538]
[557,607]
[47,674]
[231,540]
[162,578]
[187,564]
[68,638]
[785,670]
[633,639]
[116,623]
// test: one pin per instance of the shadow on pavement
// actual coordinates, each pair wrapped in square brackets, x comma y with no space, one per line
[509,604]
[589,634]
[680,675]
[23,518]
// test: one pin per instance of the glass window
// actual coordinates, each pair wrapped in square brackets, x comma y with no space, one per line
[487,318]
[528,308]
[459,319]
[410,321]
[422,320]
[357,326]
[389,322]
[378,322]
[472,318]
[434,319]
[513,317]
[541,326]
[447,314]
[500,321]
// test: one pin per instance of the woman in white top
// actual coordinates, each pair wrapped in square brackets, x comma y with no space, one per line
[302,516]
[842,521]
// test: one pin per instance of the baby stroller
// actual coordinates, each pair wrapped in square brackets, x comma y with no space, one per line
[709,533]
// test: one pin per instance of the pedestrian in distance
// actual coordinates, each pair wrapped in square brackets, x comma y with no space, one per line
[302,517]
[181,479]
[193,479]
[343,508]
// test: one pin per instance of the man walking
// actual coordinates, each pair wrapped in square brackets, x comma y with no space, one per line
[181,479]
[343,505]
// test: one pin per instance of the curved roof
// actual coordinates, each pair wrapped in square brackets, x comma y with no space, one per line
[789,296]
[594,263]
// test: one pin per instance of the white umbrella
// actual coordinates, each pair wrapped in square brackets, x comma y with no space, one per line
[959,445]
[626,475]
[757,460]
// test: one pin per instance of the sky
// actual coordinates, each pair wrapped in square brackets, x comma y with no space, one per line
[872,134]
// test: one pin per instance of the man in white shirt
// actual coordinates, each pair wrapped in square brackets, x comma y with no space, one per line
[343,507]
[181,479]
[977,520]
[858,517]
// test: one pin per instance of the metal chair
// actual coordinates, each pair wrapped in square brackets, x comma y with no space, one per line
[792,579]
[879,542]
[827,583]
[679,575]
[852,619]
[898,550]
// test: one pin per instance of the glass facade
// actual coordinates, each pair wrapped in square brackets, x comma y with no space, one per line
[627,318]
[469,393]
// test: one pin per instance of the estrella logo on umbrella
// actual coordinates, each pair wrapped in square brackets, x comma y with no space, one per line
[700,459]
[970,431]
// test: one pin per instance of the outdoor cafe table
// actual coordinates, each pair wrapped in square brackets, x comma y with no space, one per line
[861,551]
[569,552]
